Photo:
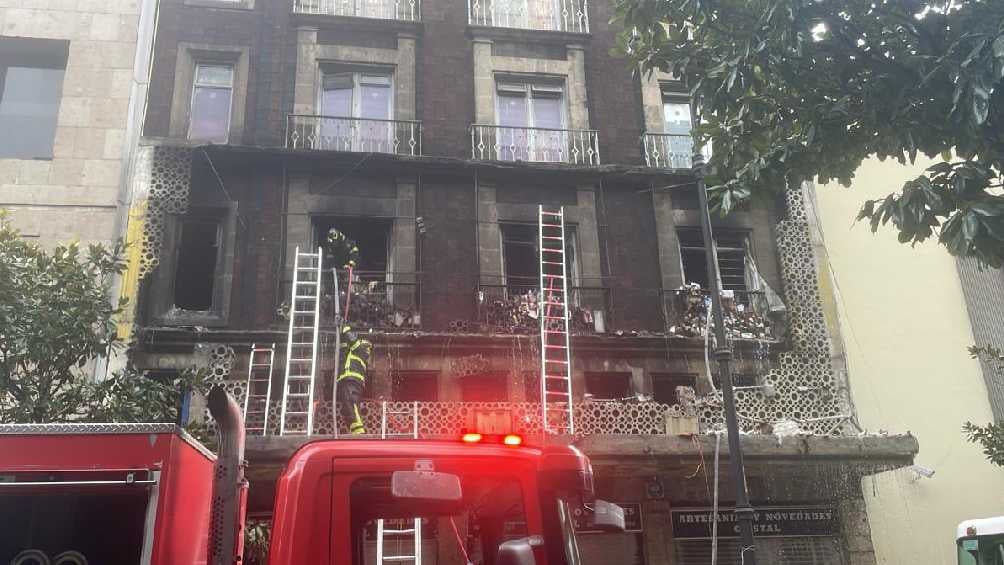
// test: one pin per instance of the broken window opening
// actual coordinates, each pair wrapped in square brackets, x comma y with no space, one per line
[415,386]
[664,386]
[372,236]
[485,387]
[731,245]
[609,386]
[521,257]
[198,256]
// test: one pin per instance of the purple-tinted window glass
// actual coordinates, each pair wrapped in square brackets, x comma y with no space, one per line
[212,95]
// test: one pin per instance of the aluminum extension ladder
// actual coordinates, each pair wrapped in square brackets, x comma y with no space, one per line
[555,357]
[297,415]
[399,529]
[258,398]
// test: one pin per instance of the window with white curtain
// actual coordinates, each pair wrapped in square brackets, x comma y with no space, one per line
[357,108]
[532,114]
[212,98]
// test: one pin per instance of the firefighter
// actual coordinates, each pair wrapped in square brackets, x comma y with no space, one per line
[340,250]
[352,379]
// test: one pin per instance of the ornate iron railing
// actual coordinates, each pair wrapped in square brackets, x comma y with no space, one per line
[668,150]
[448,419]
[407,10]
[540,145]
[545,15]
[380,300]
[512,308]
[333,133]
[748,314]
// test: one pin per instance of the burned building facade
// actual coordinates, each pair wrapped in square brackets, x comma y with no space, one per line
[432,134]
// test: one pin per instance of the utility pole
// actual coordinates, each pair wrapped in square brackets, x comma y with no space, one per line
[723,354]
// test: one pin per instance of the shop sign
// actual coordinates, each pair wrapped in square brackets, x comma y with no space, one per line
[632,518]
[767,522]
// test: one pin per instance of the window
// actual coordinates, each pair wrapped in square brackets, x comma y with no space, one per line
[195,274]
[521,261]
[731,258]
[372,236]
[484,387]
[677,126]
[415,386]
[664,386]
[531,116]
[356,107]
[31,86]
[609,386]
[212,97]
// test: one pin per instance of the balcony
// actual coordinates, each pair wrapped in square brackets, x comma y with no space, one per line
[543,15]
[513,308]
[537,145]
[387,301]
[447,419]
[405,10]
[748,314]
[668,150]
[359,135]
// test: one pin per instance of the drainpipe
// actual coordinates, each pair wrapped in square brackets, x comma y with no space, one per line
[149,11]
[723,354]
[230,489]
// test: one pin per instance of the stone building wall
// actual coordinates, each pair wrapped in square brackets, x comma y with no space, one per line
[73,195]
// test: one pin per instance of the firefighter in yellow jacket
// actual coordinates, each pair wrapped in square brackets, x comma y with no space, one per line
[352,379]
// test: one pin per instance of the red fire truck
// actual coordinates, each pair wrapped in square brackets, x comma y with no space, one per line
[126,494]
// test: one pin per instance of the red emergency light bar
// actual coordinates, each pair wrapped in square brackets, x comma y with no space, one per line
[514,440]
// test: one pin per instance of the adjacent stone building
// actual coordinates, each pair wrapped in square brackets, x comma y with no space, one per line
[72,93]
[431,133]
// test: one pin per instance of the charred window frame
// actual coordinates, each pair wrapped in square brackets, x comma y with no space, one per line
[732,248]
[373,236]
[664,386]
[415,386]
[521,256]
[609,385]
[185,258]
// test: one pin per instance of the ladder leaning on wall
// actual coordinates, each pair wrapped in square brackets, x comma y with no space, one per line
[258,399]
[555,359]
[297,413]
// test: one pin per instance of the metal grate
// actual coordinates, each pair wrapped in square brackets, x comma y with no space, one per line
[823,550]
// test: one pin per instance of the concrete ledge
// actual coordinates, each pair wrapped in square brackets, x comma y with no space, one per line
[267,455]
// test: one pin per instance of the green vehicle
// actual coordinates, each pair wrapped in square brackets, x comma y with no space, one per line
[981,541]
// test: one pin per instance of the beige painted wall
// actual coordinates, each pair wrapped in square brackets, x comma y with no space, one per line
[73,196]
[905,329]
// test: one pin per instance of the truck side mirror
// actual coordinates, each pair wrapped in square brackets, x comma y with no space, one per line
[426,485]
[515,552]
[607,516]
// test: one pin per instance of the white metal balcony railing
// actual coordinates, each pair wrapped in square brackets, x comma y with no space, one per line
[668,150]
[406,10]
[332,133]
[448,419]
[545,15]
[539,145]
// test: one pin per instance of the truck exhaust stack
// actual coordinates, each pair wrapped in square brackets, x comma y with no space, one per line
[226,530]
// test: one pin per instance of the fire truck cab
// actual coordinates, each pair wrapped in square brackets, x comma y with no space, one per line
[148,494]
[358,502]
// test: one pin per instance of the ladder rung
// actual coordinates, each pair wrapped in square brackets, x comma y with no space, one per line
[546,213]
[552,263]
[546,276]
[553,250]
[548,346]
[555,361]
[398,558]
[551,237]
[549,303]
[408,531]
